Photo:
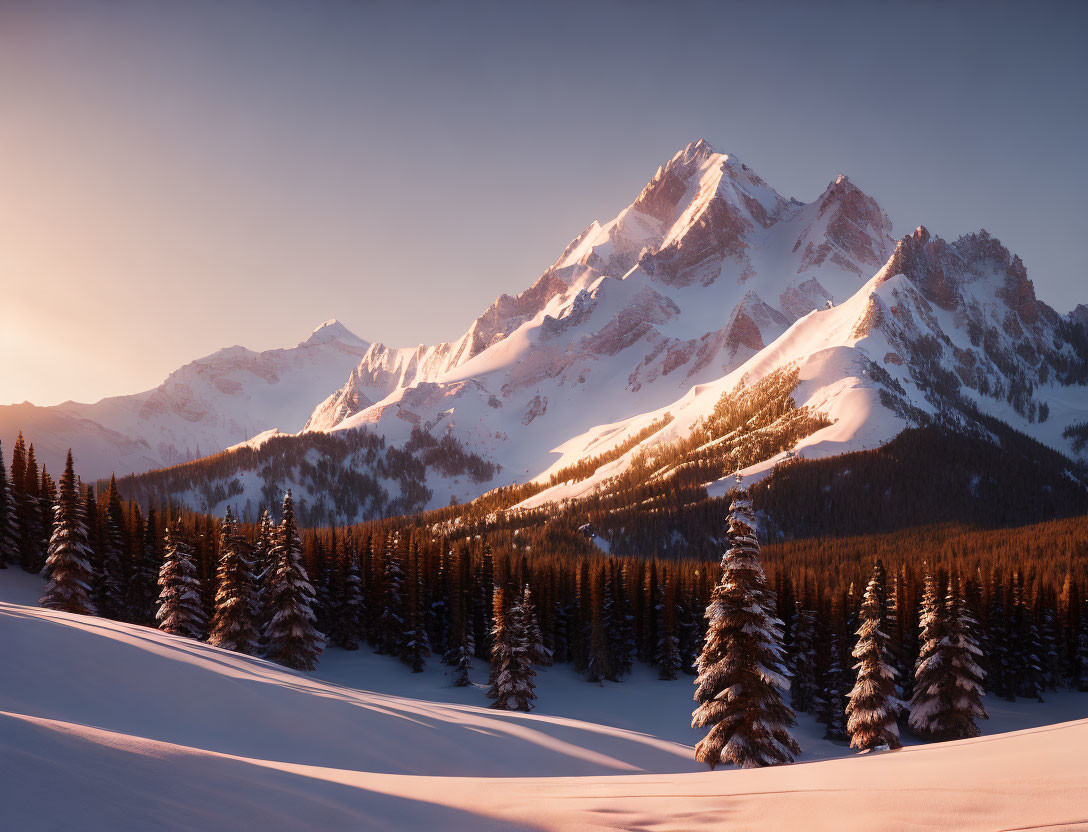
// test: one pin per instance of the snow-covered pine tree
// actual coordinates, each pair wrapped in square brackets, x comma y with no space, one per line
[948,681]
[232,626]
[538,651]
[9,528]
[512,671]
[261,555]
[741,682]
[181,610]
[290,637]
[873,707]
[68,566]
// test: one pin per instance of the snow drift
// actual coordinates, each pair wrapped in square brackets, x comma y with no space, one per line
[106,725]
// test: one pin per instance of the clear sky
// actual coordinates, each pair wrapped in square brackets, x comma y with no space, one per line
[183,176]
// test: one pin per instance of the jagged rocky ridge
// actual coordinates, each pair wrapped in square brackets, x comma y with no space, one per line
[709,281]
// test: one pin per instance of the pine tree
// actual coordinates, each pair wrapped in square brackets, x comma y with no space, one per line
[391,619]
[667,656]
[512,672]
[261,555]
[538,652]
[181,610]
[741,680]
[873,707]
[68,566]
[9,523]
[143,586]
[111,594]
[290,637]
[1027,664]
[416,645]
[948,681]
[31,522]
[462,647]
[347,614]
[232,626]
[831,702]
[802,662]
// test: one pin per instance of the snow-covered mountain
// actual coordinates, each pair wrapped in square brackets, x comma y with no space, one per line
[206,406]
[708,280]
[704,269]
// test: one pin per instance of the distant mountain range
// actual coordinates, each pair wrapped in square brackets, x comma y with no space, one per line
[708,283]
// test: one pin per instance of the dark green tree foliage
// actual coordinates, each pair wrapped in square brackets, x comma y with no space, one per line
[600,666]
[181,610]
[416,646]
[290,637]
[9,523]
[534,637]
[873,708]
[948,681]
[1026,645]
[511,684]
[346,618]
[263,570]
[462,646]
[233,626]
[391,620]
[742,681]
[31,522]
[111,592]
[143,586]
[621,621]
[667,656]
[68,566]
[802,662]
[831,698]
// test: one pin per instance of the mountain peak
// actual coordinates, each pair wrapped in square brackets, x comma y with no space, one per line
[332,330]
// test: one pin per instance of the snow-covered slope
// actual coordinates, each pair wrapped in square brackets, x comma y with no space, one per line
[203,407]
[707,266]
[112,726]
[710,278]
[941,330]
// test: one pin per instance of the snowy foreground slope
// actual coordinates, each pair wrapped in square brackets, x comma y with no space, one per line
[108,726]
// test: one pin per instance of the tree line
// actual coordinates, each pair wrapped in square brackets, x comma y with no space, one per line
[512,597]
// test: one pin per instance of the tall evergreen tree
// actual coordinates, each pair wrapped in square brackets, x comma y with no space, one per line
[31,522]
[391,619]
[668,643]
[232,626]
[512,672]
[802,662]
[948,681]
[9,523]
[742,682]
[68,567]
[290,636]
[416,646]
[873,708]
[181,610]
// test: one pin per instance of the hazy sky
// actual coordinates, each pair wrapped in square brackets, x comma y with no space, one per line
[182,176]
